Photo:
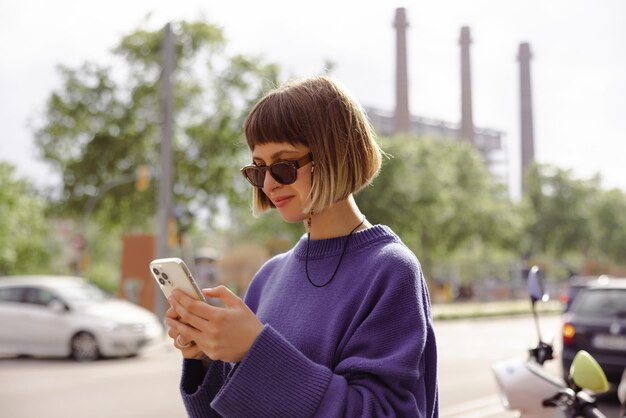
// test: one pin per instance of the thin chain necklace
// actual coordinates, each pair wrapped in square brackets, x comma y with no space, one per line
[345,246]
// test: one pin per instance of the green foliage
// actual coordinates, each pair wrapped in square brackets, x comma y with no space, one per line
[105,276]
[269,230]
[476,259]
[573,221]
[26,245]
[608,222]
[104,122]
[437,195]
[558,211]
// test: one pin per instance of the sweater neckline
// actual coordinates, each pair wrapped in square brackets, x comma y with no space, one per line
[320,248]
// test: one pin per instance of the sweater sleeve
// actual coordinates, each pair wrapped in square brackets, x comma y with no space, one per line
[274,378]
[380,369]
[199,386]
[387,365]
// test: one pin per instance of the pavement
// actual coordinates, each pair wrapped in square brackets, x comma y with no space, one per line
[458,310]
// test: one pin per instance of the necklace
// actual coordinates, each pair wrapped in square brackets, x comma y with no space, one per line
[345,246]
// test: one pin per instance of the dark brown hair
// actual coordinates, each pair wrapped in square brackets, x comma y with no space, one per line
[318,113]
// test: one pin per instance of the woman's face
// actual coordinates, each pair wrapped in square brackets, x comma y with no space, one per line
[289,199]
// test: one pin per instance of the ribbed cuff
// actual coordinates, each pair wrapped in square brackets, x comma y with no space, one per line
[273,380]
[192,376]
[198,387]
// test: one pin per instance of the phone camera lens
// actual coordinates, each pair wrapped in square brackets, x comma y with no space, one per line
[156,271]
[165,276]
[161,281]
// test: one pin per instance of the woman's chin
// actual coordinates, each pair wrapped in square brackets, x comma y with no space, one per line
[290,217]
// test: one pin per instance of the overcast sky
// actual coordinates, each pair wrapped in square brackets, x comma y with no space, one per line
[578,67]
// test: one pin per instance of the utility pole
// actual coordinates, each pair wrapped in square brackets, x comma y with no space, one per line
[467,118]
[527,138]
[164,210]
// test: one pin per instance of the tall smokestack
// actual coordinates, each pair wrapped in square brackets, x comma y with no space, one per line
[402,116]
[467,119]
[526,108]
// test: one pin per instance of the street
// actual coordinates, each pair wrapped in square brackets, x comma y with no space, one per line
[468,348]
[147,385]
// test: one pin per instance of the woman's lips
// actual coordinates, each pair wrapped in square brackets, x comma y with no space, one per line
[279,202]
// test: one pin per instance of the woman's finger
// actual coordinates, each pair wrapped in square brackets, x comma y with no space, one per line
[171,312]
[192,352]
[188,317]
[224,294]
[189,332]
[182,341]
[187,307]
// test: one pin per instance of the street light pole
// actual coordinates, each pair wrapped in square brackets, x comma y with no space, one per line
[167,129]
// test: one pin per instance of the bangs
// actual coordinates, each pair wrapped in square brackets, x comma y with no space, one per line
[278,117]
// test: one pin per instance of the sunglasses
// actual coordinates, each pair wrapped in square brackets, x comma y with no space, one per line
[284,172]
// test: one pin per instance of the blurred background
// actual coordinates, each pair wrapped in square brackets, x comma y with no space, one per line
[121,135]
[472,101]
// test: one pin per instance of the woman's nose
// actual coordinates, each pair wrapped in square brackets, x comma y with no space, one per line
[269,183]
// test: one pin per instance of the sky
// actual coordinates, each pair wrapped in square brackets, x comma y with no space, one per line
[578,68]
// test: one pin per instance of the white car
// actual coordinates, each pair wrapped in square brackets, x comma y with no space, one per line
[67,316]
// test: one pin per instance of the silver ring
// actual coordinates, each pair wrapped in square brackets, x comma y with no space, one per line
[181,345]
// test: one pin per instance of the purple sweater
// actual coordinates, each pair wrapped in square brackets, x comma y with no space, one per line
[363,346]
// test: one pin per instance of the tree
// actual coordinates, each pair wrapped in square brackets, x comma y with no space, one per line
[437,195]
[25,242]
[609,226]
[104,122]
[559,211]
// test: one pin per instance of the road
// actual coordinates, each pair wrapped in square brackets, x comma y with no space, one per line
[147,386]
[468,348]
[144,386]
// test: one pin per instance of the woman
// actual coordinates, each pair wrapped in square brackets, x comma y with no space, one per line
[340,325]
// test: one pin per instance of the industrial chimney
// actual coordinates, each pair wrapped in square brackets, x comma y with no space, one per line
[467,120]
[526,110]
[402,121]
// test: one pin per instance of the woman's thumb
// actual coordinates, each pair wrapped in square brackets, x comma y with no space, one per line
[223,293]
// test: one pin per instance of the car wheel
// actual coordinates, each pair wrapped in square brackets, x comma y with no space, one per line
[84,347]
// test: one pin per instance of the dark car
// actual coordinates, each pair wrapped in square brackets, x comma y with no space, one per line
[575,284]
[596,322]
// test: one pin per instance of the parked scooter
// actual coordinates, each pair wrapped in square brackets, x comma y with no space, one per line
[621,394]
[528,388]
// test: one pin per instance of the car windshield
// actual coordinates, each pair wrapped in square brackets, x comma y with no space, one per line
[601,303]
[82,293]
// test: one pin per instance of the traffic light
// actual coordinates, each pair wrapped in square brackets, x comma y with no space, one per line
[142,180]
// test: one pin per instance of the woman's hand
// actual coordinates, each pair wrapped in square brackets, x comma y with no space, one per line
[188,348]
[221,333]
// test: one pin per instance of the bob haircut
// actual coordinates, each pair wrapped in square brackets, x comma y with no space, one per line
[318,113]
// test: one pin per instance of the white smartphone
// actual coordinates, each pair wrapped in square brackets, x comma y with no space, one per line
[172,273]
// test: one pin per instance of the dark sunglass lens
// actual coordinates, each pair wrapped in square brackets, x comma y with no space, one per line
[256,176]
[283,172]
